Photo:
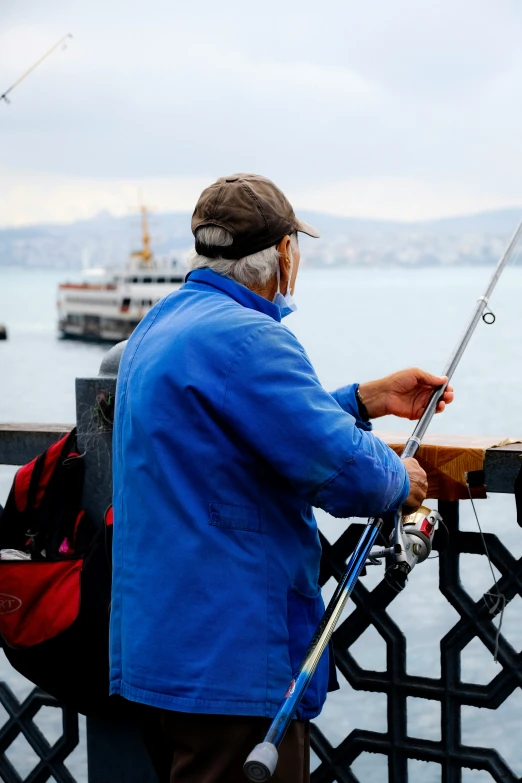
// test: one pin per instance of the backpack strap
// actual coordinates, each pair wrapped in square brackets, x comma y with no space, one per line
[44,468]
[34,483]
[34,520]
[109,519]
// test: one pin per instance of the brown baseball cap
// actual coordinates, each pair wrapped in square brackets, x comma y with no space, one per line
[252,209]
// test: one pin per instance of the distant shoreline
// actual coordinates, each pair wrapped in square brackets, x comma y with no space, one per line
[105,241]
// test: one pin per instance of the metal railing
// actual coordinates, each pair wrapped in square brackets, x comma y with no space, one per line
[475,620]
[114,751]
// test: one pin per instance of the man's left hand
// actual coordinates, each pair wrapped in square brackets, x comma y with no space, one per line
[405,393]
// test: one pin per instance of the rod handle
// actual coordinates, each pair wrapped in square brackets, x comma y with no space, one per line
[261,763]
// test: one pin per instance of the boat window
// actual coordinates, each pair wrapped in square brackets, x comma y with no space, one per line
[90,300]
[161,279]
[134,280]
[175,280]
[147,280]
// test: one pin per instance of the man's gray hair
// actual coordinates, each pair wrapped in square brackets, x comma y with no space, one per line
[251,271]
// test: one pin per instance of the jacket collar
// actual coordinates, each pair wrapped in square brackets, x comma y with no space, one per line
[239,293]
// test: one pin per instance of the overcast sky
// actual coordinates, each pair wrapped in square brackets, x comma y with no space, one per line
[396,109]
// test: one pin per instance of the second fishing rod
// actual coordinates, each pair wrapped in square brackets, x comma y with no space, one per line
[410,543]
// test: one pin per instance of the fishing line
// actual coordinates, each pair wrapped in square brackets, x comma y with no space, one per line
[391,582]
[35,65]
[403,554]
[500,599]
[437,556]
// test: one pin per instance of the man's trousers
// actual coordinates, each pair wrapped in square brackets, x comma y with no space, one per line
[192,748]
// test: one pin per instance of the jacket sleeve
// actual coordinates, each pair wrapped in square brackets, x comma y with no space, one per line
[275,403]
[346,398]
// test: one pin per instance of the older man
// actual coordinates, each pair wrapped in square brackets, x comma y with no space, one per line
[224,440]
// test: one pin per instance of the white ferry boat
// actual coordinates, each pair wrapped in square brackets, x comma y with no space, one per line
[111,307]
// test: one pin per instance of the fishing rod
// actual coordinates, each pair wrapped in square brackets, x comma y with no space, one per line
[410,543]
[4,95]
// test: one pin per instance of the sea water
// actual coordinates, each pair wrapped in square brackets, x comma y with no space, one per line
[356,325]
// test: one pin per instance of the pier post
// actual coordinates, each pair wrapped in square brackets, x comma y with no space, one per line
[115,751]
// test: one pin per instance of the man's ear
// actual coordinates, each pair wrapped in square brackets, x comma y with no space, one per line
[285,261]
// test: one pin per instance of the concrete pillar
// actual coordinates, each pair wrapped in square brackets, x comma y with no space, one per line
[115,751]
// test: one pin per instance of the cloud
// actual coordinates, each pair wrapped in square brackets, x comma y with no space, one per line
[400,198]
[42,197]
[397,108]
[37,197]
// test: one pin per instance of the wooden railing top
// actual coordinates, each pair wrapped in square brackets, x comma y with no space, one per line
[446,458]
[490,464]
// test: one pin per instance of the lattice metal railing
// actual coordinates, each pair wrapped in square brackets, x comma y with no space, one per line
[20,723]
[475,620]
[109,747]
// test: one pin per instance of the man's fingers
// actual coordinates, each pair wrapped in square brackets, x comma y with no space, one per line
[418,483]
[439,380]
[431,380]
[446,398]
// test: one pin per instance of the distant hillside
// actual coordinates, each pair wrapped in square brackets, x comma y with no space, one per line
[106,241]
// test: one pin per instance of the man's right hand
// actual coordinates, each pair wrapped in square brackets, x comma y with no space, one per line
[418,485]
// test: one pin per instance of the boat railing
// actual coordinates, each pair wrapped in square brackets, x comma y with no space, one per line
[399,741]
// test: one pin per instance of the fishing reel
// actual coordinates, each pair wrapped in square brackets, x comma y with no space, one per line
[411,542]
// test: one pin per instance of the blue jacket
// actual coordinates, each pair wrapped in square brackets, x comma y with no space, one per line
[224,439]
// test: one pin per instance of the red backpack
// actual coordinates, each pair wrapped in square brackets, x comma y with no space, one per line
[55,596]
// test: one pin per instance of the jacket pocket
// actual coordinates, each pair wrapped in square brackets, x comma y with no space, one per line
[235,517]
[304,614]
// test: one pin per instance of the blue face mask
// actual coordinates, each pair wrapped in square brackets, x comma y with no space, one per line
[285,303]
